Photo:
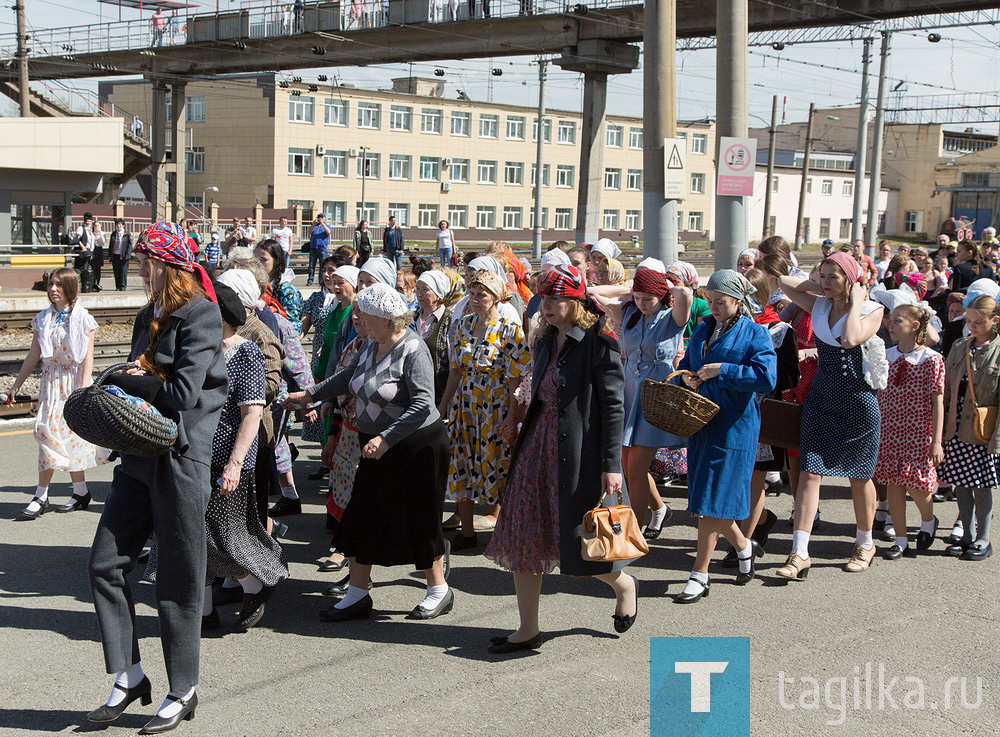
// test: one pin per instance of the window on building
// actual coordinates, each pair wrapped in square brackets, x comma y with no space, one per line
[489,126]
[612,178]
[335,164]
[400,211]
[458,171]
[847,188]
[196,110]
[194,160]
[774,184]
[196,201]
[548,130]
[458,216]
[824,228]
[427,216]
[696,220]
[513,172]
[633,220]
[565,175]
[400,118]
[306,205]
[682,135]
[826,186]
[697,183]
[486,172]
[430,120]
[809,185]
[845,229]
[486,217]
[300,109]
[635,137]
[369,165]
[975,179]
[430,169]
[366,211]
[515,128]
[369,115]
[913,221]
[564,218]
[461,124]
[512,218]
[615,134]
[610,220]
[772,224]
[300,161]
[699,145]
[545,217]
[633,180]
[336,112]
[566,131]
[400,166]
[680,220]
[335,211]
[546,170]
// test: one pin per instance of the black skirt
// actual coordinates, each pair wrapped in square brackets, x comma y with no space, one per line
[394,516]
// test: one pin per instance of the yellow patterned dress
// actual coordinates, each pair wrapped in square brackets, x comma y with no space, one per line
[479,457]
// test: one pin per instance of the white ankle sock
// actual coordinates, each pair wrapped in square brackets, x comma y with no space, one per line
[696,584]
[434,596]
[863,538]
[902,542]
[230,583]
[251,584]
[882,510]
[128,678]
[745,557]
[42,493]
[772,477]
[170,708]
[289,492]
[79,488]
[800,543]
[657,516]
[354,595]
[927,527]
[206,608]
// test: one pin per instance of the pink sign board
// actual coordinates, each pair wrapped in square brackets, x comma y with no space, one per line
[737,161]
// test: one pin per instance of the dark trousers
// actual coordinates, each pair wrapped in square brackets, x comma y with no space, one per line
[472,8]
[316,256]
[119,267]
[98,264]
[168,496]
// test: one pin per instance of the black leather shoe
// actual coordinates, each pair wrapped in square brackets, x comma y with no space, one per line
[878,525]
[158,725]
[222,596]
[253,608]
[210,622]
[978,552]
[623,621]
[75,503]
[464,542]
[320,473]
[278,529]
[956,550]
[361,609]
[683,598]
[44,507]
[444,606]
[730,560]
[895,552]
[506,646]
[651,533]
[340,588]
[107,713]
[331,566]
[756,551]
[763,529]
[285,506]
[926,539]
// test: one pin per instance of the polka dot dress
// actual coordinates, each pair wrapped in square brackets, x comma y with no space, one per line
[970,466]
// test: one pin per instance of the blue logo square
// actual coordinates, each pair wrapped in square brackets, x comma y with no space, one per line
[699,686]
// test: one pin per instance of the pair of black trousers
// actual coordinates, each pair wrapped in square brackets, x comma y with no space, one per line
[120,268]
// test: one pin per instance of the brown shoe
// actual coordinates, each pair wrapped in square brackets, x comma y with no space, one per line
[452,523]
[861,559]
[795,568]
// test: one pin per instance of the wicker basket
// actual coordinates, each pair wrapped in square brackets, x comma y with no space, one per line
[675,409]
[780,423]
[109,421]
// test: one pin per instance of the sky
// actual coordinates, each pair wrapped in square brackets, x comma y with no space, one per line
[964,61]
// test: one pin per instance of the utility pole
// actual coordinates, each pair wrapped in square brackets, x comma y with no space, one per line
[364,176]
[861,149]
[805,179]
[659,88]
[536,236]
[22,58]
[771,132]
[876,179]
[731,121]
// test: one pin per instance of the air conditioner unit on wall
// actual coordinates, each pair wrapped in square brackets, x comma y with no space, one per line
[321,150]
[449,163]
[353,153]
[446,186]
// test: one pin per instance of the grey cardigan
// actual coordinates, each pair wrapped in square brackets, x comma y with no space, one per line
[985,380]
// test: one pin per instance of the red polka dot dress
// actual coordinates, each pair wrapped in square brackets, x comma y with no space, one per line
[907,424]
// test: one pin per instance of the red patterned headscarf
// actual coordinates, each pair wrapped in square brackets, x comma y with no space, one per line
[167,242]
[272,303]
[651,282]
[566,281]
[849,265]
[916,281]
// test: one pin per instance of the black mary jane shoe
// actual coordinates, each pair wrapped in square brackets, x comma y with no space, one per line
[978,552]
[756,551]
[331,566]
[651,533]
[444,606]
[75,503]
[361,609]
[623,621]
[340,588]
[894,552]
[505,646]
[211,622]
[253,608]
[221,596]
[158,725]
[683,598]
[464,542]
[285,506]
[42,509]
[926,539]
[142,692]
[730,560]
[763,529]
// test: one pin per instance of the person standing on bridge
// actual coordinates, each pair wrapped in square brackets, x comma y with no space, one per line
[64,341]
[159,25]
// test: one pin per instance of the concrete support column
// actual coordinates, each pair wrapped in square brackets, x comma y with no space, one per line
[213,213]
[119,209]
[158,154]
[588,199]
[179,145]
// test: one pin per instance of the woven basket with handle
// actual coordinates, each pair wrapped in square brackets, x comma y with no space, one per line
[674,408]
[112,422]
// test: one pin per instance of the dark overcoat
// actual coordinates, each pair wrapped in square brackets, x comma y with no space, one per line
[590,397]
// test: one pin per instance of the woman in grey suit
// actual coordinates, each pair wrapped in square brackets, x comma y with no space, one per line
[177,349]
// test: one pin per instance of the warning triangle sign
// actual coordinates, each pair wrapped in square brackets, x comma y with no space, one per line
[674,162]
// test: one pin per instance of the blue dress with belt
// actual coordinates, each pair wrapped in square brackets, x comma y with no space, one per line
[721,455]
[650,347]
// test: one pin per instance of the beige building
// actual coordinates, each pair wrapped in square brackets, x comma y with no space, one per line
[412,153]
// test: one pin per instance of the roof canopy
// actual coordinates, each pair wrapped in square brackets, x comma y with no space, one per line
[150,4]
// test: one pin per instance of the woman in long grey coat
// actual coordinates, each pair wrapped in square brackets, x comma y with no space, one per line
[574,423]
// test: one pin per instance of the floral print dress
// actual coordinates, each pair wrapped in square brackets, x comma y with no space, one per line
[348,452]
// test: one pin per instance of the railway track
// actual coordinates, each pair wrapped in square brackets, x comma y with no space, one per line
[105,354]
[21,319]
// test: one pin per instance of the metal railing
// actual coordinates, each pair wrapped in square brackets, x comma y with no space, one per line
[97,106]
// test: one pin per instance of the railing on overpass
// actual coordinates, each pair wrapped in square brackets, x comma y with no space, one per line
[257,19]
[97,106]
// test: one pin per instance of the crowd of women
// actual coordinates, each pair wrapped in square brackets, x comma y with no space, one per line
[519,390]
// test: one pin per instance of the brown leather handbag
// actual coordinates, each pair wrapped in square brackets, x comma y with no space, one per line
[780,423]
[611,533]
[984,419]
